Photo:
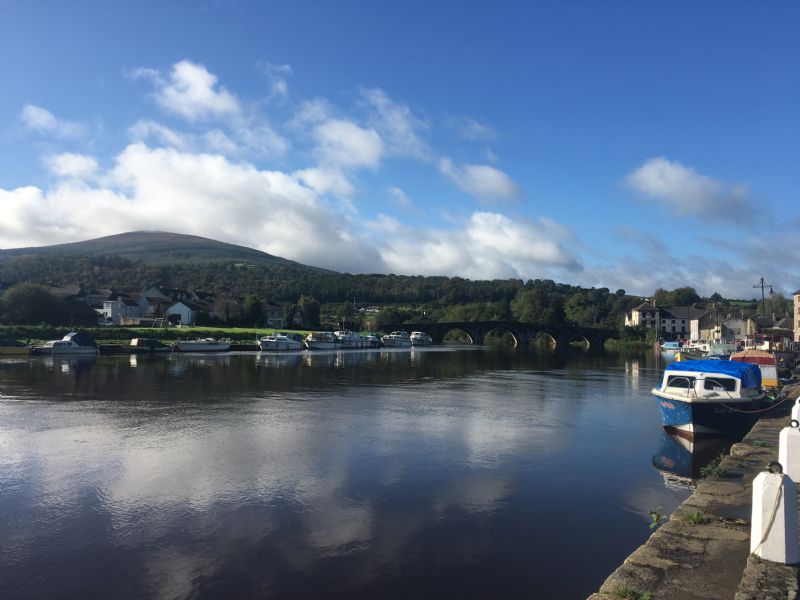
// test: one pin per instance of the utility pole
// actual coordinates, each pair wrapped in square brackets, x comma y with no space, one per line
[763,285]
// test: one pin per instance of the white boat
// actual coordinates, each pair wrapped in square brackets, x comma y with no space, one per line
[397,339]
[709,396]
[420,338]
[67,345]
[281,341]
[322,340]
[372,340]
[203,345]
[351,339]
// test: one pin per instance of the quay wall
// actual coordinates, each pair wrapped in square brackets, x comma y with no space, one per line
[703,551]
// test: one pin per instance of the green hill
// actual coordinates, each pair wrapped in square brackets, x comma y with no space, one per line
[160,248]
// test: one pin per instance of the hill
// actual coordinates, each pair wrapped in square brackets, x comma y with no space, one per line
[161,248]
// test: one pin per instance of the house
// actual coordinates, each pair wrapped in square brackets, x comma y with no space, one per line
[123,308]
[186,312]
[274,315]
[681,322]
[646,314]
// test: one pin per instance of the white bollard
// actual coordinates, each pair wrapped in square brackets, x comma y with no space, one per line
[796,410]
[789,450]
[773,532]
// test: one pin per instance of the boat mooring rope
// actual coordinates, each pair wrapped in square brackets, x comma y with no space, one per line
[760,410]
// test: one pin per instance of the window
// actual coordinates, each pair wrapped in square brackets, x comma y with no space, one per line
[680,381]
[721,384]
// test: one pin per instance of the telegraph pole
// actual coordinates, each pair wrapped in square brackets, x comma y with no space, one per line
[763,285]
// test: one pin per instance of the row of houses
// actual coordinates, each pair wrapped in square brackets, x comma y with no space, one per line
[162,304]
[700,324]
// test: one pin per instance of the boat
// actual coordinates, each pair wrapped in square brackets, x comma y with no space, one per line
[687,354]
[142,345]
[766,362]
[709,396]
[420,338]
[281,341]
[322,340]
[397,339]
[72,343]
[203,345]
[372,340]
[350,339]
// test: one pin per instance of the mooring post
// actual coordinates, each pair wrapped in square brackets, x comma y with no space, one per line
[796,410]
[789,450]
[773,532]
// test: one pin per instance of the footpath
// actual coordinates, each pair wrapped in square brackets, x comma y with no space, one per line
[703,551]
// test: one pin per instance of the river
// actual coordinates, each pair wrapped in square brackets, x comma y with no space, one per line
[448,472]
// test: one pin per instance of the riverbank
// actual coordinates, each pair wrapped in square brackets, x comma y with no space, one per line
[703,551]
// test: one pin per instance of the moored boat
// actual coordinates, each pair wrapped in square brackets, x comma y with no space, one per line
[420,338]
[351,339]
[203,345]
[142,345]
[322,340]
[281,341]
[397,339]
[766,362]
[72,343]
[709,396]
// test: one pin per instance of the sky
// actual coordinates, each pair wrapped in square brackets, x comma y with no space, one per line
[631,145]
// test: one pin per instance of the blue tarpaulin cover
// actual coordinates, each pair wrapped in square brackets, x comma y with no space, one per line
[749,374]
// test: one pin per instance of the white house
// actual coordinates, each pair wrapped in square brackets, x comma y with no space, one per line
[186,311]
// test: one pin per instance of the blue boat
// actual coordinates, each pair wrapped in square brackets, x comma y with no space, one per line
[716,397]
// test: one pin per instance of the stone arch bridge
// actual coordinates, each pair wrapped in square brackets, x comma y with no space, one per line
[523,333]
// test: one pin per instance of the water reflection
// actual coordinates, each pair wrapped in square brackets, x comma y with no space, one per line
[680,461]
[341,474]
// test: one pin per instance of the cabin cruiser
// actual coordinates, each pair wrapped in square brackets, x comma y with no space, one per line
[322,340]
[351,339]
[709,396]
[281,341]
[420,338]
[72,343]
[203,345]
[399,339]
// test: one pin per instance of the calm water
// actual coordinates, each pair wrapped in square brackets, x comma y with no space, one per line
[467,473]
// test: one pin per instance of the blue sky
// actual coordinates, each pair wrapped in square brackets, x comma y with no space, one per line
[608,144]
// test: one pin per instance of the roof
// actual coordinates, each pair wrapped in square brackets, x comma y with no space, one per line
[683,312]
[754,357]
[646,307]
[749,374]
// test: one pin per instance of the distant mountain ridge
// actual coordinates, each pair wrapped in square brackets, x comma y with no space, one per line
[161,247]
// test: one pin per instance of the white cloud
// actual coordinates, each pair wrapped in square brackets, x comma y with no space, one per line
[487,246]
[202,194]
[470,129]
[191,92]
[311,113]
[343,143]
[481,181]
[69,164]
[277,76]
[324,181]
[146,129]
[397,125]
[42,120]
[685,192]
[400,198]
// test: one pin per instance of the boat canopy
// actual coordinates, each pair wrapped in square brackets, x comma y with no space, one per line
[749,374]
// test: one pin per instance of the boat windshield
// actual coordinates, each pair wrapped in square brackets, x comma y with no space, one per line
[719,385]
[680,381]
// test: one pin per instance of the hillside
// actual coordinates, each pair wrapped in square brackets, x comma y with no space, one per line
[160,248]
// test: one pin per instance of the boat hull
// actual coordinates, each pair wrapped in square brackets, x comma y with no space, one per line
[280,345]
[76,351]
[715,418]
[320,345]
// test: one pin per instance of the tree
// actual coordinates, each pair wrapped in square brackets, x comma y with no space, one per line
[30,304]
[537,305]
[310,308]
[253,311]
